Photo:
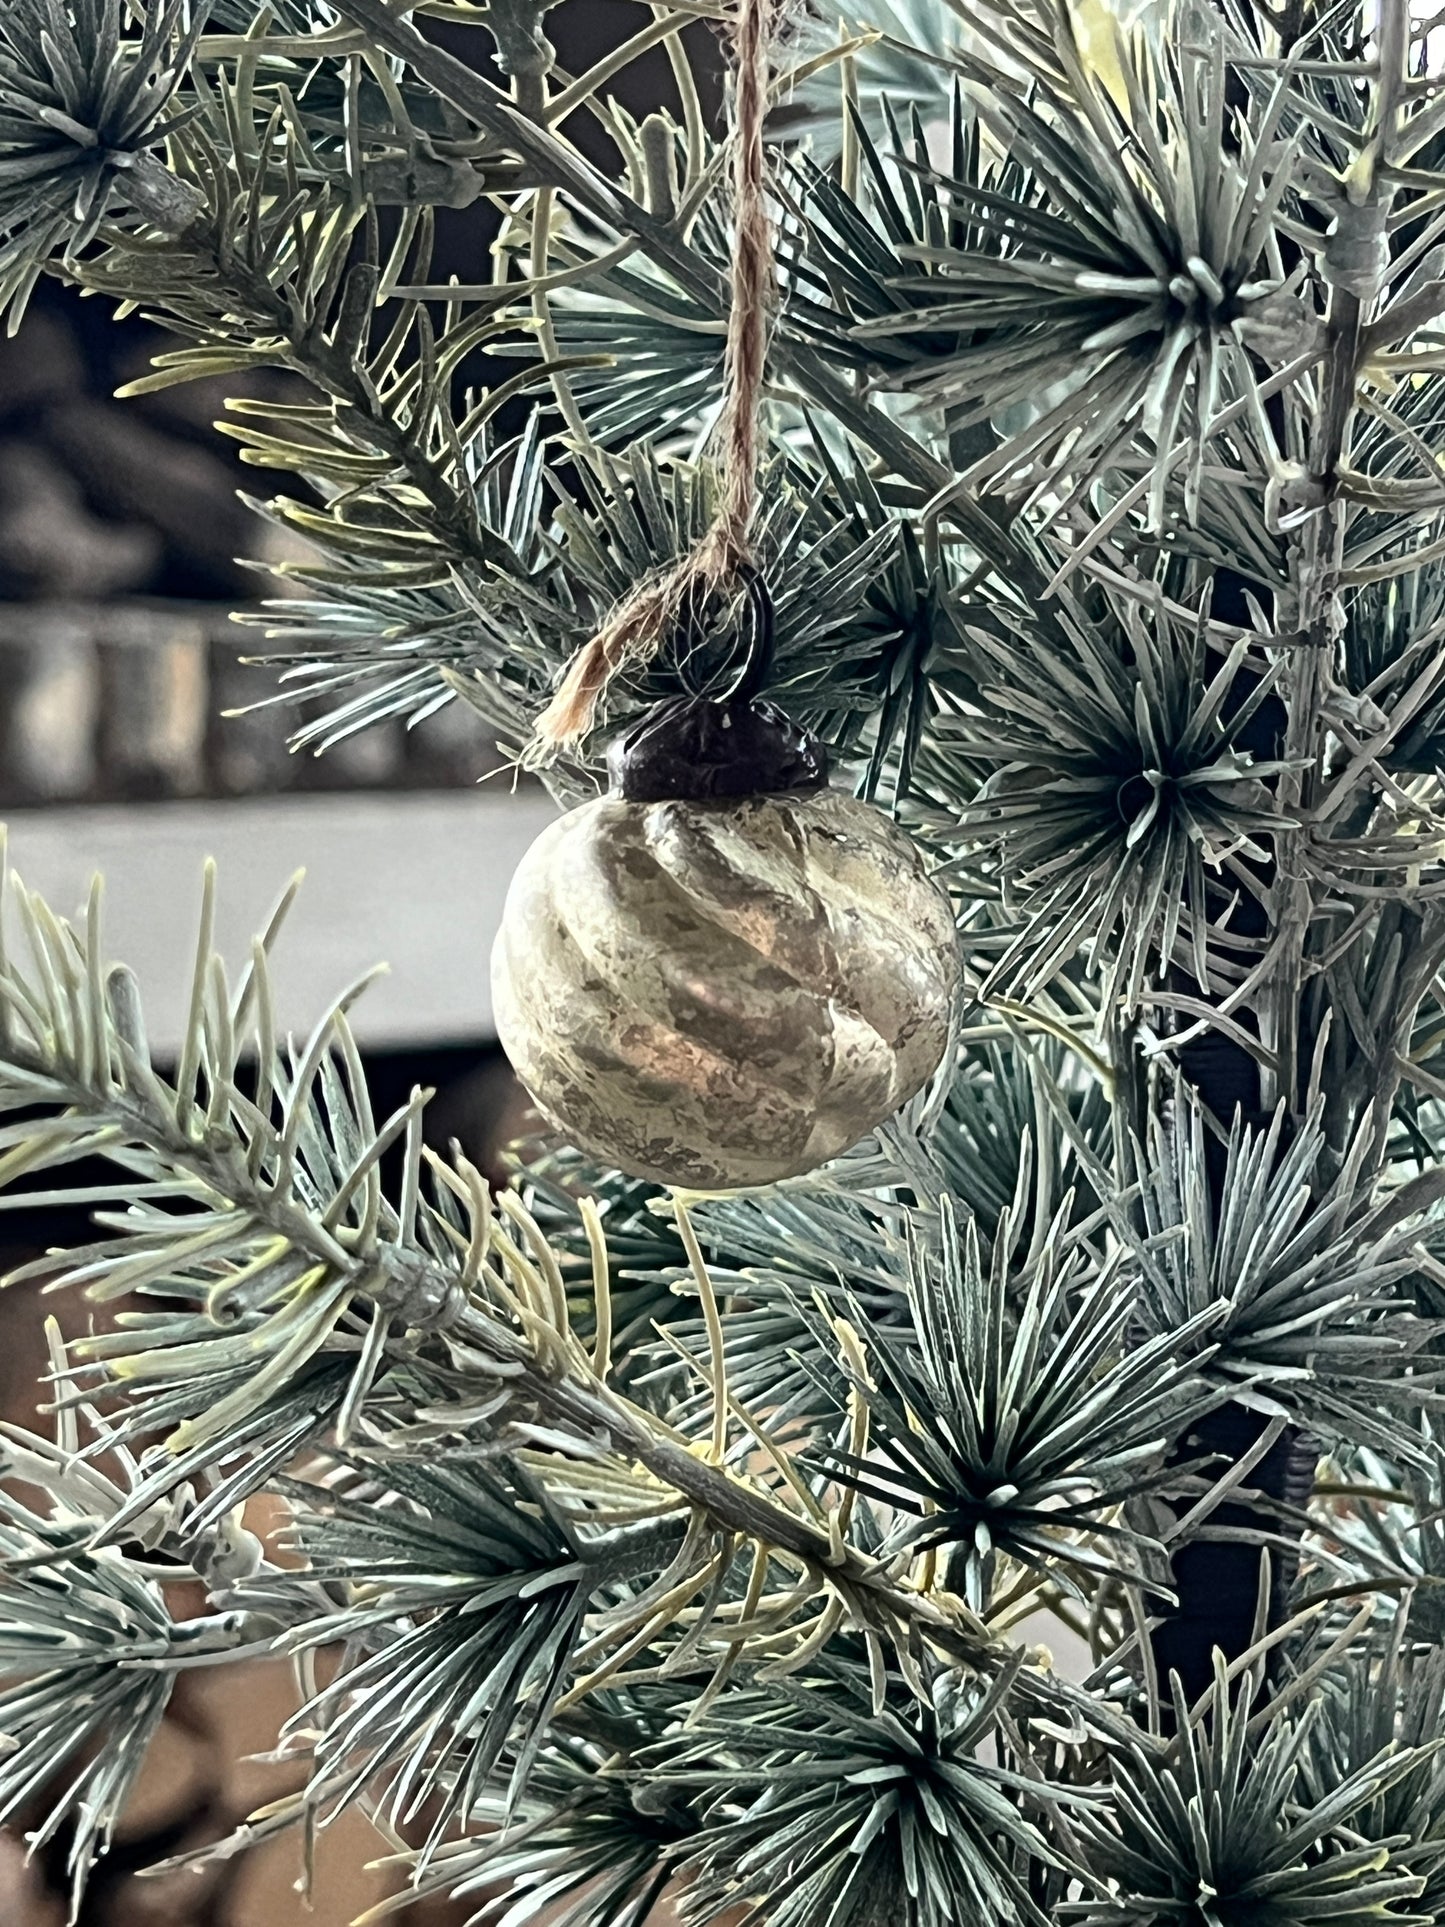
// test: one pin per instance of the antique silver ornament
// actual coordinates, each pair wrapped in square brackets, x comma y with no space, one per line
[723,991]
[723,972]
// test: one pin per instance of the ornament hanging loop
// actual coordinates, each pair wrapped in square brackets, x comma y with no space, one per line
[639,625]
[758,657]
[756,638]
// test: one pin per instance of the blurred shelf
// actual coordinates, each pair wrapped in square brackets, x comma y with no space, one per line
[415,879]
[134,700]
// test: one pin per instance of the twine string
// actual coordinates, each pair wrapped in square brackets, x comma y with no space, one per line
[750,293]
[638,625]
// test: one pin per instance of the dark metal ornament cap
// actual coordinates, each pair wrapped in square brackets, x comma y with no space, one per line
[696,747]
[693,749]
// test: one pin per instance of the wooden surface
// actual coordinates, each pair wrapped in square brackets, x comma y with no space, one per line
[412,879]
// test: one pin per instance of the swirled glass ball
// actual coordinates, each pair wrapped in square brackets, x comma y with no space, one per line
[723,991]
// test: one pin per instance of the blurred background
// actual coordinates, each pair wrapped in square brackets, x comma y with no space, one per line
[120,533]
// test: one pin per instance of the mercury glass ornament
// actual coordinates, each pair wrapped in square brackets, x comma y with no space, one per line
[722,972]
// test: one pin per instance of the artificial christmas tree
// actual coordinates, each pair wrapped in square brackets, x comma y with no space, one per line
[718,1541]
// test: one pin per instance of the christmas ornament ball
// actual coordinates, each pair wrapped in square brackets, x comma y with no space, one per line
[719,990]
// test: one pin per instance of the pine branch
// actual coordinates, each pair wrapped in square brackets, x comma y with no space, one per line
[1354,265]
[866,423]
[286,1221]
[330,360]
[90,1638]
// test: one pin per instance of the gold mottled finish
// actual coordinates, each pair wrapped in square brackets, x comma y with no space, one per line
[723,993]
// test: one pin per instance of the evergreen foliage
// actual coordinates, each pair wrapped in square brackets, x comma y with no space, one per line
[720,1542]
